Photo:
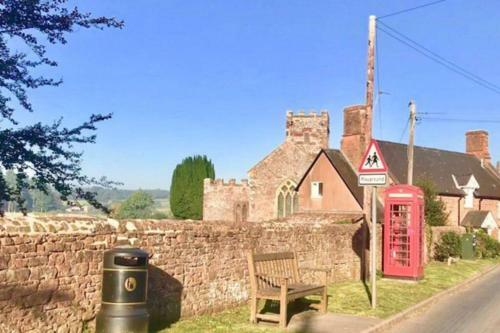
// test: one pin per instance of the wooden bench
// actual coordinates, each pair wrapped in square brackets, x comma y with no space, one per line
[275,276]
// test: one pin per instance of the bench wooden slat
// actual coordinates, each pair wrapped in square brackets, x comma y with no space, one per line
[273,256]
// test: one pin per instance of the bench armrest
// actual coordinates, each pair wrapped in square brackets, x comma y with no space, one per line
[273,276]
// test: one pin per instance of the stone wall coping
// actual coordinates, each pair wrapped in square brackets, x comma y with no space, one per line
[74,225]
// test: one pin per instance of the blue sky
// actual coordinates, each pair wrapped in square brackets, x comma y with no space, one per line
[216,78]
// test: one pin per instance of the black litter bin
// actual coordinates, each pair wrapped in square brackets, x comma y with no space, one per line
[124,292]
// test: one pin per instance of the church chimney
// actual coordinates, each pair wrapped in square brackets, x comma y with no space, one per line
[358,118]
[476,143]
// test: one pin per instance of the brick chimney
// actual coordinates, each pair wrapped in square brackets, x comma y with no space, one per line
[356,134]
[476,143]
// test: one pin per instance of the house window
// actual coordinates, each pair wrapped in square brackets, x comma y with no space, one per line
[316,190]
[469,198]
[287,199]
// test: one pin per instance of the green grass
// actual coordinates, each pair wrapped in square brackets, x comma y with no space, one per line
[349,298]
[394,296]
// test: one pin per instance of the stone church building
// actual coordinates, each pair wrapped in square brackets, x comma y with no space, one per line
[303,175]
[270,191]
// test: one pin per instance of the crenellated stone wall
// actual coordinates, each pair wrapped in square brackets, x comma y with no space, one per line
[225,201]
[50,268]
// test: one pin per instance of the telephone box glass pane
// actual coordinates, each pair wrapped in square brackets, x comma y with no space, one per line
[399,239]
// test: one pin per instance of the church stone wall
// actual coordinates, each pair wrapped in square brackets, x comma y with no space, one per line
[288,162]
[225,201]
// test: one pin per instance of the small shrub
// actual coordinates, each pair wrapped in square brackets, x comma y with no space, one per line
[449,245]
[486,246]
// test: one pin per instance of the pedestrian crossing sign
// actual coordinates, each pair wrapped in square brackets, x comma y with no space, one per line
[373,161]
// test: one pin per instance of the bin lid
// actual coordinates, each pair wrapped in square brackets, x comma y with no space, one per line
[125,256]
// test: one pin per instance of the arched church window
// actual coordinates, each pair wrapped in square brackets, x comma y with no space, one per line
[287,199]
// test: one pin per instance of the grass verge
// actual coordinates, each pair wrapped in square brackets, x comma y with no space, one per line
[349,298]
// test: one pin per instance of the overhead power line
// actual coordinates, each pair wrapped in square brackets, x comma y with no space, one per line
[438,59]
[379,89]
[404,130]
[470,120]
[449,62]
[410,9]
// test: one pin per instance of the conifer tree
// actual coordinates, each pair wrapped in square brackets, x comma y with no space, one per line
[186,189]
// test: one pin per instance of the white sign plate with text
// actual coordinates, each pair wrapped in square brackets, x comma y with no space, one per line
[372,179]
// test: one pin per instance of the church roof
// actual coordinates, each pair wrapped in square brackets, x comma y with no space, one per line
[439,166]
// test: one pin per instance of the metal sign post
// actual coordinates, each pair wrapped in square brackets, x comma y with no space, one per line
[372,172]
[373,247]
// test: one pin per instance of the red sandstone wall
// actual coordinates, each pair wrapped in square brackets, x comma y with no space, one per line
[219,199]
[50,270]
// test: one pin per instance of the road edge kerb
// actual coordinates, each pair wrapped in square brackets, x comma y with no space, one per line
[423,305]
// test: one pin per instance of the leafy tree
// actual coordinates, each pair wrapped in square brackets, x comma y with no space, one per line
[138,206]
[4,193]
[44,150]
[435,208]
[186,189]
[45,202]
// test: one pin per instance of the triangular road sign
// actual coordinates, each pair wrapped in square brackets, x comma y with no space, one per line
[373,161]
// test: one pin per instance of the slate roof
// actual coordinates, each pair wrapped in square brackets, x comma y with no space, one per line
[439,165]
[474,218]
[346,172]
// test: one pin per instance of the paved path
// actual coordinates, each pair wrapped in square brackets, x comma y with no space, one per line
[473,310]
[311,322]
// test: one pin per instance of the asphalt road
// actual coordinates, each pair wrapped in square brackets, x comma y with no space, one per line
[473,310]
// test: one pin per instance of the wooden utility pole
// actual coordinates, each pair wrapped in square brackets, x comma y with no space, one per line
[413,117]
[370,83]
[370,77]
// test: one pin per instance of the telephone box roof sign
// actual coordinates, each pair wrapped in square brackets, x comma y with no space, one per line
[373,161]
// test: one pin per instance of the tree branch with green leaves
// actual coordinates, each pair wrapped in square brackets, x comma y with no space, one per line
[41,155]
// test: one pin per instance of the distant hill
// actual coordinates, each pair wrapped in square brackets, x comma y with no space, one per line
[108,196]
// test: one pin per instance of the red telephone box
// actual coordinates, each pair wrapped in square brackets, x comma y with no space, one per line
[404,232]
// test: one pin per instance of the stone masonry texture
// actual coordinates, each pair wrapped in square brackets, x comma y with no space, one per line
[51,268]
